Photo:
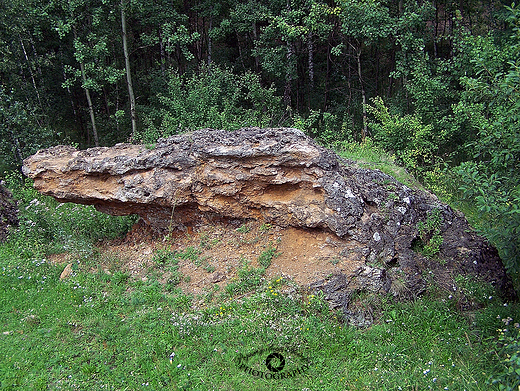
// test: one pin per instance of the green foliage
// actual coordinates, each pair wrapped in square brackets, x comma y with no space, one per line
[490,107]
[430,233]
[213,98]
[469,290]
[243,229]
[413,142]
[248,279]
[509,340]
[265,258]
[95,323]
[20,133]
[366,20]
[164,256]
[47,226]
[369,155]
[190,253]
[327,128]
[265,227]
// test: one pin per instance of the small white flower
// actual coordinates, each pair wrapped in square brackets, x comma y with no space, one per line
[426,371]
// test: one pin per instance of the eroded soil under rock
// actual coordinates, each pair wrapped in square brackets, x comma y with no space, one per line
[303,256]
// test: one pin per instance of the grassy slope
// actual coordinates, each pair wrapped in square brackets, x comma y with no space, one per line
[98,331]
[106,331]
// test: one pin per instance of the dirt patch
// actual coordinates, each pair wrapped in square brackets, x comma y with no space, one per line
[220,249]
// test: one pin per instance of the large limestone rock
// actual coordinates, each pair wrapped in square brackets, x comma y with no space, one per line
[283,177]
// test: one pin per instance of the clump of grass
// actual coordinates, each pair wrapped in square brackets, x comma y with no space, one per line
[265,227]
[190,253]
[164,256]
[430,234]
[248,279]
[243,229]
[265,258]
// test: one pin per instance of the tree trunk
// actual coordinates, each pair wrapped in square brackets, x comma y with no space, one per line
[128,74]
[89,101]
[363,95]
[310,47]
[31,73]
[209,37]
[163,56]
[288,77]
[255,37]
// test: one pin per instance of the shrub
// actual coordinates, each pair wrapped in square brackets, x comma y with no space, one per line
[47,226]
[212,98]
[413,142]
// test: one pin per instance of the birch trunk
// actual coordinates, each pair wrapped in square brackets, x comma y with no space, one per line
[128,74]
[90,106]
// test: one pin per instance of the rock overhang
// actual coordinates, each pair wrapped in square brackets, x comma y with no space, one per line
[279,176]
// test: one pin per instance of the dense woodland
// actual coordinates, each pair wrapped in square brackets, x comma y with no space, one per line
[434,82]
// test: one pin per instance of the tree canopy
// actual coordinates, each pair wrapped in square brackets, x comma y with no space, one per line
[435,82]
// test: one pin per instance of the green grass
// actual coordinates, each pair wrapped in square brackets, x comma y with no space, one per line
[367,155]
[97,331]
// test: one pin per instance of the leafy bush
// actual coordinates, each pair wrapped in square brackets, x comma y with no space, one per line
[414,143]
[327,128]
[212,98]
[490,104]
[509,340]
[47,226]
[21,134]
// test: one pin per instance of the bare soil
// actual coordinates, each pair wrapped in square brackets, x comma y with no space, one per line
[302,255]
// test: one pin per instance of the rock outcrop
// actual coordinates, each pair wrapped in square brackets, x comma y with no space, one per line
[8,213]
[282,177]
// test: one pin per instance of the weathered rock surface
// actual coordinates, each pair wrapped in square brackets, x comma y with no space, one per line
[282,177]
[8,213]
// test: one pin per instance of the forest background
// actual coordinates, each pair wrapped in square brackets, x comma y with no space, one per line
[436,83]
